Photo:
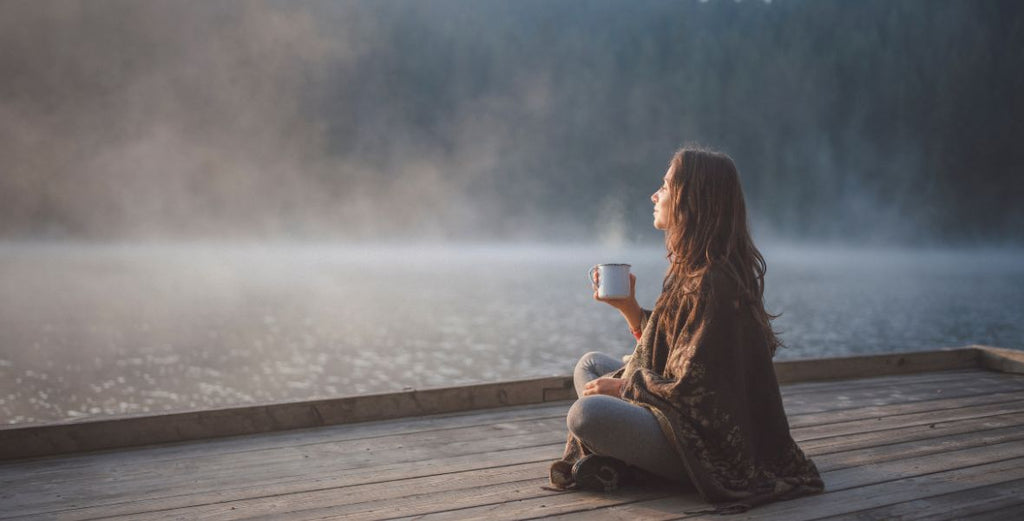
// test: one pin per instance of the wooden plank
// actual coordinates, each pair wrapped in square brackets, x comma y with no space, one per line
[589,505]
[1013,513]
[999,359]
[909,433]
[883,423]
[856,397]
[896,383]
[489,502]
[899,409]
[67,437]
[875,365]
[286,439]
[367,501]
[667,507]
[830,386]
[955,506]
[930,446]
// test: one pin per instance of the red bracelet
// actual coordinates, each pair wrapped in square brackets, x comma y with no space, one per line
[636,333]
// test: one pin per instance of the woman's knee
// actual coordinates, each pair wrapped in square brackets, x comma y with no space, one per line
[587,415]
[589,360]
[584,371]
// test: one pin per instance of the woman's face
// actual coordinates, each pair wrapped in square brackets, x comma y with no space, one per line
[662,203]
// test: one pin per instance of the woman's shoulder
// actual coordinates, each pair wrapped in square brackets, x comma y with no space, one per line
[702,293]
[720,283]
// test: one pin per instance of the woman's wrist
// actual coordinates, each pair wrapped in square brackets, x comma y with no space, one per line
[636,332]
[634,316]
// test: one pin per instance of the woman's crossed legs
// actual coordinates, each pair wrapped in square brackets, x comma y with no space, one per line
[613,427]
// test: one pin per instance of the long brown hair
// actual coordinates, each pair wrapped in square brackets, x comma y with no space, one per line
[708,232]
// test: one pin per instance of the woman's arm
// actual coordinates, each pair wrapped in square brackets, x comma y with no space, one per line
[634,315]
[630,309]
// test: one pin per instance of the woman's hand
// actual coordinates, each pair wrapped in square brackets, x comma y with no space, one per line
[628,306]
[610,386]
[620,302]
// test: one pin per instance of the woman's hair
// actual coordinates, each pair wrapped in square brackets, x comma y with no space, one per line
[708,234]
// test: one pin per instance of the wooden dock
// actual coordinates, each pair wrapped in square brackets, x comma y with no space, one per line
[938,435]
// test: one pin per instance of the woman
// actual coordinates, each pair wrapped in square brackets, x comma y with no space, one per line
[697,402]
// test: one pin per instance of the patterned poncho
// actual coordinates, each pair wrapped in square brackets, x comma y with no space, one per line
[719,404]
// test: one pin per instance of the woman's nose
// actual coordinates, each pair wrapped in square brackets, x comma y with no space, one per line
[654,198]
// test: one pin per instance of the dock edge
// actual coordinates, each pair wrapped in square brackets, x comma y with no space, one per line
[18,442]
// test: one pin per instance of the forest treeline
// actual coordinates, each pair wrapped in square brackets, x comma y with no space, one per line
[867,121]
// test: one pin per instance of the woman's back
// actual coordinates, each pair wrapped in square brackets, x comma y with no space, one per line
[702,366]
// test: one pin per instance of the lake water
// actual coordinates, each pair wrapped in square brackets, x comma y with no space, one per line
[93,331]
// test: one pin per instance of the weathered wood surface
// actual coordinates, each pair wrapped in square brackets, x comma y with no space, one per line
[78,436]
[938,445]
[72,436]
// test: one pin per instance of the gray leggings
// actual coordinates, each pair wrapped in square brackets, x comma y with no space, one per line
[612,427]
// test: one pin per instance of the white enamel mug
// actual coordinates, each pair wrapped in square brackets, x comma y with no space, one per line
[613,280]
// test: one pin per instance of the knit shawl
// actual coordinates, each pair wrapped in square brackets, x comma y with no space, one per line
[719,405]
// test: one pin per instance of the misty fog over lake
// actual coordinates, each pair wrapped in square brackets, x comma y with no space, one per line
[101,330]
[206,204]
